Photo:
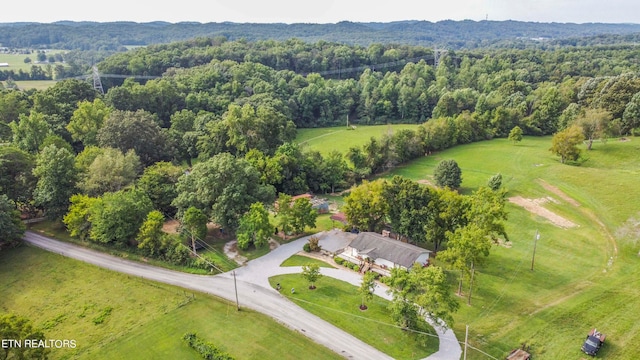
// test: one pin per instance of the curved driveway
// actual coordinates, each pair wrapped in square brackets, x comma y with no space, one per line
[255,292]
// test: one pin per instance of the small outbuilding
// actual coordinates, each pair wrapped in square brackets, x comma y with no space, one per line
[2,64]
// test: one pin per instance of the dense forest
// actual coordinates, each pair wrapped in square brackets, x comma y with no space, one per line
[228,112]
[450,34]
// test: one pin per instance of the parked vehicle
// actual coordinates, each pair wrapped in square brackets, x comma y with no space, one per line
[593,342]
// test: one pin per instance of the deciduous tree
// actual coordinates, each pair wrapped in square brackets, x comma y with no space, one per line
[303,215]
[366,207]
[255,227]
[194,224]
[448,174]
[11,226]
[56,181]
[87,120]
[367,286]
[565,143]
[110,171]
[224,187]
[515,135]
[150,235]
[311,273]
[117,217]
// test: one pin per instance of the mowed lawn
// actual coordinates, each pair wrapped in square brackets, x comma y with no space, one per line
[339,138]
[338,303]
[116,316]
[583,277]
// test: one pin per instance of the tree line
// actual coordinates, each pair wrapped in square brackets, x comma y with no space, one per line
[240,118]
[453,34]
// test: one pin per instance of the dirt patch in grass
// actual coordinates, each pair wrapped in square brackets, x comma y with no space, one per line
[558,192]
[171,226]
[534,206]
[426,182]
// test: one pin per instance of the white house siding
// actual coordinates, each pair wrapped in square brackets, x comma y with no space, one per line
[383,262]
[423,259]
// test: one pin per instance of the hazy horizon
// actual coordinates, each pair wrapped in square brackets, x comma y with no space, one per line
[329,11]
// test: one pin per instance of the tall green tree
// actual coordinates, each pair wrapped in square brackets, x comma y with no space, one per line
[56,181]
[126,130]
[303,215]
[255,227]
[421,291]
[159,181]
[30,131]
[87,120]
[110,171]
[409,207]
[224,187]
[77,219]
[284,213]
[595,125]
[565,143]
[194,224]
[150,235]
[467,247]
[16,174]
[11,225]
[366,207]
[117,217]
[631,115]
[448,174]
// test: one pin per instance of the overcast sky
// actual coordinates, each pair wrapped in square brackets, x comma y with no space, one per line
[325,11]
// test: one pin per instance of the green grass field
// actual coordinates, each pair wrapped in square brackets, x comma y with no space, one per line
[584,277]
[341,139]
[146,320]
[338,303]
[35,84]
[299,260]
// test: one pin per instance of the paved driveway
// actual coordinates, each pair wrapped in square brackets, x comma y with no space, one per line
[254,292]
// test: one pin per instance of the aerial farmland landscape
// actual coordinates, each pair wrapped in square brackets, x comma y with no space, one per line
[263,181]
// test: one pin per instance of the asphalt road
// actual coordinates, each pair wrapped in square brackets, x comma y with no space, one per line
[254,292]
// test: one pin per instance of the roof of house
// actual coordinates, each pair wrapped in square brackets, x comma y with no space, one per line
[377,246]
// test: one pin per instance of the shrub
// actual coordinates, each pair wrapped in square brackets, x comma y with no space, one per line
[313,244]
[205,349]
[306,247]
[355,267]
[338,260]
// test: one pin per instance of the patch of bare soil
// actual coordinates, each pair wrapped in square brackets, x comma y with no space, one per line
[558,192]
[426,182]
[231,250]
[534,206]
[171,226]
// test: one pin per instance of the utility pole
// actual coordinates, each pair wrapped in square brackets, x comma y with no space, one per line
[97,84]
[235,285]
[535,243]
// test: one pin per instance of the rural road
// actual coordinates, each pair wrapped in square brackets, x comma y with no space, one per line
[254,292]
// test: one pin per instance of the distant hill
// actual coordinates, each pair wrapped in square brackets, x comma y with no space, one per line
[465,34]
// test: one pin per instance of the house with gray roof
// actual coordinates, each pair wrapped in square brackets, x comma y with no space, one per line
[383,253]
